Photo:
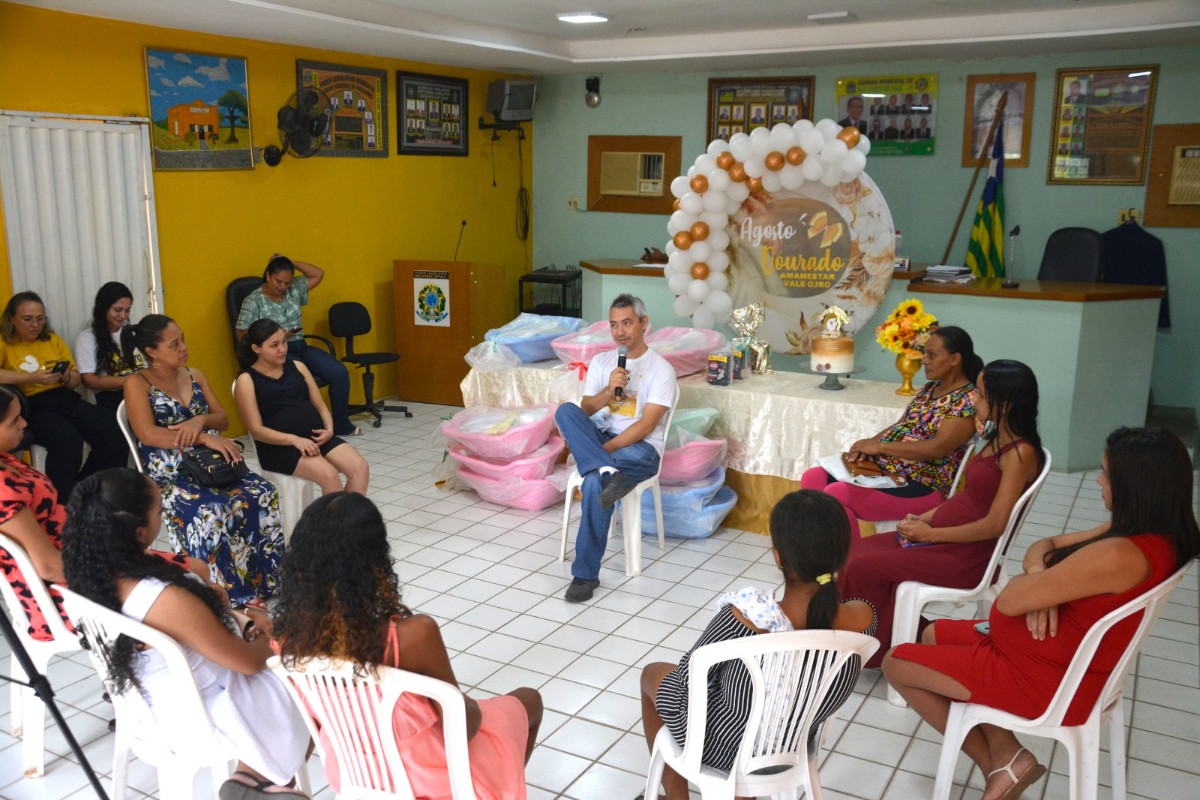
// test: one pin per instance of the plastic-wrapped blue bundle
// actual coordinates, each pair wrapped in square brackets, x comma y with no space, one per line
[691,511]
[530,335]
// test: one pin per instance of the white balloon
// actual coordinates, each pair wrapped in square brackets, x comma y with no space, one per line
[715,220]
[755,168]
[691,203]
[679,261]
[682,220]
[718,302]
[812,169]
[698,290]
[834,151]
[760,141]
[679,283]
[690,174]
[802,125]
[739,145]
[717,146]
[673,224]
[680,186]
[718,180]
[831,178]
[811,141]
[703,318]
[670,248]
[737,193]
[791,177]
[718,261]
[782,137]
[772,182]
[683,306]
[713,201]
[829,127]
[864,145]
[854,162]
[706,164]
[717,278]
[718,240]
[700,250]
[733,206]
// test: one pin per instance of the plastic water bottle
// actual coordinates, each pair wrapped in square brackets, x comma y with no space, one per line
[899,244]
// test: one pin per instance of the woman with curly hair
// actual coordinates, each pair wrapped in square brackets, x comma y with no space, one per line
[113,517]
[102,366]
[341,599]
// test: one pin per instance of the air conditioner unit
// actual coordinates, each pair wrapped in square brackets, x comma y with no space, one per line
[631,174]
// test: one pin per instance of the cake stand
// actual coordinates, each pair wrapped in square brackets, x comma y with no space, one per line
[831,378]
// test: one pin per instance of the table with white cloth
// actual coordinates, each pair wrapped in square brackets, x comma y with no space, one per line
[776,425]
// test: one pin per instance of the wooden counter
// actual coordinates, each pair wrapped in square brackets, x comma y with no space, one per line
[1065,291]
[622,266]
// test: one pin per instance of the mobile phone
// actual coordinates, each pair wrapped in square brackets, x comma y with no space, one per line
[984,628]
[60,367]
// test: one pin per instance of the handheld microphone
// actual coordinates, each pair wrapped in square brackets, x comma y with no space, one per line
[1012,249]
[622,352]
[461,231]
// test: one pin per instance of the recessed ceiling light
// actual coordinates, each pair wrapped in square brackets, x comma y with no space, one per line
[582,17]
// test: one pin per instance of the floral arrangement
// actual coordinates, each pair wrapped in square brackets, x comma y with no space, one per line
[906,329]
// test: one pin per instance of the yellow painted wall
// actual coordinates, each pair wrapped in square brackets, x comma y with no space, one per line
[350,216]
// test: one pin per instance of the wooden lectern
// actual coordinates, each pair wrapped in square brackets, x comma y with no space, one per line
[443,309]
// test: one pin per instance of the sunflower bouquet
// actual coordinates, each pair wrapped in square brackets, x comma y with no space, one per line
[906,329]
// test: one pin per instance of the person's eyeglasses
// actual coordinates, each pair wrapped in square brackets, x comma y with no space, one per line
[31,320]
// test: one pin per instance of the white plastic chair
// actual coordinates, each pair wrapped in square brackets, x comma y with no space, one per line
[27,715]
[179,751]
[354,712]
[295,493]
[792,674]
[130,439]
[1082,742]
[631,515]
[913,596]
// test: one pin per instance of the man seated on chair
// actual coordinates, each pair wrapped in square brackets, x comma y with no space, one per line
[280,299]
[616,433]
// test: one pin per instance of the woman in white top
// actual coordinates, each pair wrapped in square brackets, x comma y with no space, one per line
[113,517]
[98,354]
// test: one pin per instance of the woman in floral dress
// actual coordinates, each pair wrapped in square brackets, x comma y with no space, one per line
[236,529]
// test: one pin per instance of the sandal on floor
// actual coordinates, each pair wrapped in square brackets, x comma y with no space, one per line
[249,787]
[1027,778]
[356,432]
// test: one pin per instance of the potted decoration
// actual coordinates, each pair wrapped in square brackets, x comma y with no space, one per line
[904,333]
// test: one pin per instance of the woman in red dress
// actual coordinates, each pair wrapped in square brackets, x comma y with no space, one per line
[1040,618]
[951,544]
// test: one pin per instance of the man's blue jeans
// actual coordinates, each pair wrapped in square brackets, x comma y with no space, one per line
[327,368]
[637,461]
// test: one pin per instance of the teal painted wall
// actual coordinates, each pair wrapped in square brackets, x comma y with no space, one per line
[924,193]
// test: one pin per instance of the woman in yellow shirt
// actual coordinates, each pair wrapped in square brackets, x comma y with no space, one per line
[34,359]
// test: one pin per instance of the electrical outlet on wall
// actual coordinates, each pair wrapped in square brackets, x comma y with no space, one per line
[573,203]
[1128,215]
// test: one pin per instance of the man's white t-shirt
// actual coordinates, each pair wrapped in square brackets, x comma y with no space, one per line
[651,380]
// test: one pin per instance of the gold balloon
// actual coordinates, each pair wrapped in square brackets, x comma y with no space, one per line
[754,184]
[795,156]
[774,161]
[699,184]
[737,173]
[850,136]
[683,240]
[675,205]
[699,231]
[726,160]
[700,271]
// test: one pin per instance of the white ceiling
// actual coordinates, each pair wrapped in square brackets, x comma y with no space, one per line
[525,35]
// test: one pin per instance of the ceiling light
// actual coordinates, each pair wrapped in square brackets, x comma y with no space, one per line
[829,17]
[582,17]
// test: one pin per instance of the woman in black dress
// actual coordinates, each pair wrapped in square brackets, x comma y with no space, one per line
[287,417]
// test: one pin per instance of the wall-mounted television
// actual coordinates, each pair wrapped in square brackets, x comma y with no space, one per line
[511,100]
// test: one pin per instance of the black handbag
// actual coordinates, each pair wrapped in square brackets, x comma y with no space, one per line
[208,467]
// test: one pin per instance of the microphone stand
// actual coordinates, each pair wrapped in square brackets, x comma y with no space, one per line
[41,687]
[1008,282]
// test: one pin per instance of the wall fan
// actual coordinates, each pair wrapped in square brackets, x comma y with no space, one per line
[303,123]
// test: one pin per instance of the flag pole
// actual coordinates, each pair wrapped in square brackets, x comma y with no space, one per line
[983,159]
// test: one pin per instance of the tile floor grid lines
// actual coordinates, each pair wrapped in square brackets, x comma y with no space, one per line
[491,578]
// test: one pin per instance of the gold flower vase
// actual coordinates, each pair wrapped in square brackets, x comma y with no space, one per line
[908,367]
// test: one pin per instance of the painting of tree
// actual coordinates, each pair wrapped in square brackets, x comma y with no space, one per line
[233,103]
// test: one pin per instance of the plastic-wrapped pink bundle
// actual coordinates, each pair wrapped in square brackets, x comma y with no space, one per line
[691,461]
[529,494]
[537,464]
[686,349]
[501,433]
[582,346]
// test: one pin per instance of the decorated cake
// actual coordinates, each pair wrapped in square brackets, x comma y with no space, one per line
[833,350]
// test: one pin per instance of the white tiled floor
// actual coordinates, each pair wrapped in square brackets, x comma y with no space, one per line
[491,576]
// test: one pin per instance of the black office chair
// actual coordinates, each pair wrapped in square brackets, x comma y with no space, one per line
[1073,254]
[348,320]
[236,293]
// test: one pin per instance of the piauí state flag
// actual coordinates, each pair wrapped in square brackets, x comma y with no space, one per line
[985,255]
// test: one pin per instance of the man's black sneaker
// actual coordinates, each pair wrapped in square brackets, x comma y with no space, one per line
[580,590]
[615,485]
